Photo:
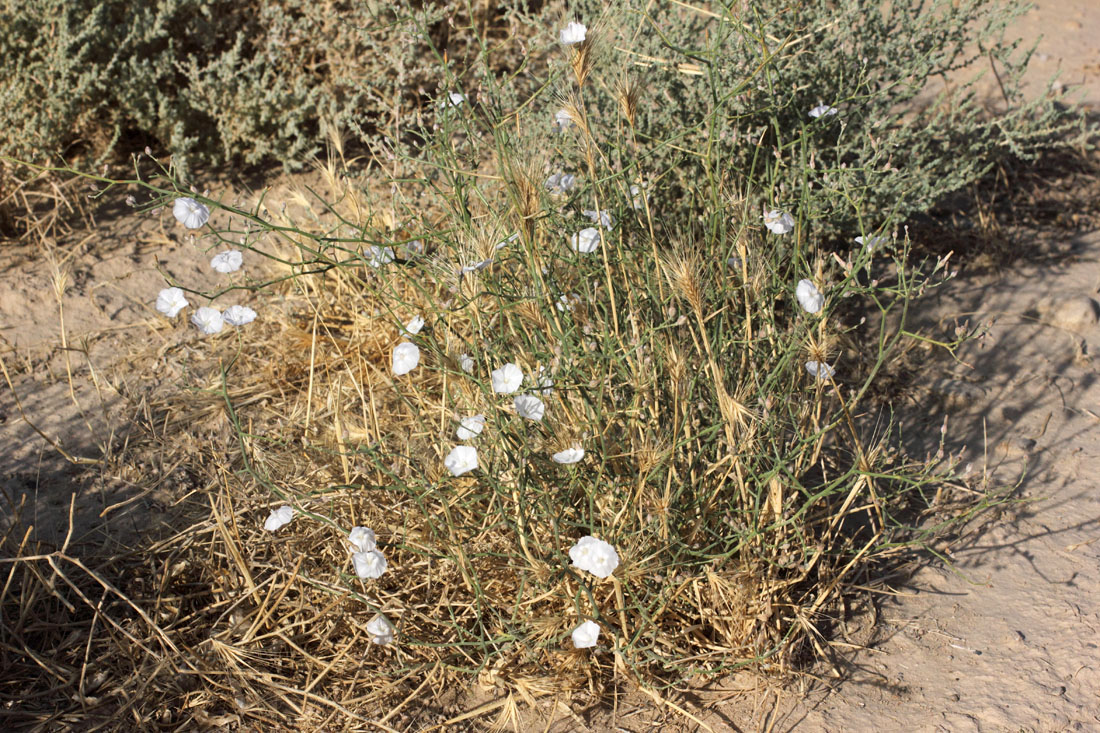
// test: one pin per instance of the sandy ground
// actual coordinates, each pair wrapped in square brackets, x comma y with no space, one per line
[1005,639]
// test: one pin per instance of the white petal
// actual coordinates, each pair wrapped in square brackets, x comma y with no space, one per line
[586,240]
[823,110]
[208,320]
[227,261]
[466,362]
[470,427]
[603,218]
[454,99]
[569,455]
[507,379]
[238,315]
[279,518]
[809,297]
[529,406]
[378,256]
[820,369]
[462,459]
[369,564]
[414,325]
[406,356]
[594,556]
[585,635]
[171,301]
[778,222]
[190,212]
[380,629]
[573,33]
[363,539]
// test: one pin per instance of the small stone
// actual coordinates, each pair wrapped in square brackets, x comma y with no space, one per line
[1076,313]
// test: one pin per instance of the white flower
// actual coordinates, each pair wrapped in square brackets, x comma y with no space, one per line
[561,183]
[170,302]
[507,379]
[406,356]
[454,99]
[238,315]
[637,197]
[369,564]
[544,385]
[505,242]
[467,363]
[227,261]
[820,369]
[413,248]
[190,213]
[587,240]
[363,539]
[207,320]
[461,459]
[594,556]
[778,222]
[872,243]
[470,427]
[378,256]
[529,406]
[585,635]
[414,325]
[603,218]
[562,120]
[380,630]
[823,110]
[569,455]
[809,297]
[279,517]
[566,302]
[572,33]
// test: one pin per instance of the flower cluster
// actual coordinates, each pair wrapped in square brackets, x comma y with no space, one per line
[207,319]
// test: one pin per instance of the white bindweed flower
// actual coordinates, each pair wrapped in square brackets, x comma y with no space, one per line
[462,459]
[238,315]
[822,110]
[190,212]
[562,120]
[567,302]
[637,197]
[569,455]
[406,356]
[412,249]
[585,635]
[476,267]
[208,320]
[363,539]
[466,362]
[227,261]
[470,427]
[369,564]
[507,379]
[820,369]
[529,406]
[378,256]
[778,222]
[171,301]
[279,518]
[809,297]
[561,183]
[594,556]
[454,99]
[603,218]
[573,33]
[873,242]
[413,327]
[586,241]
[380,629]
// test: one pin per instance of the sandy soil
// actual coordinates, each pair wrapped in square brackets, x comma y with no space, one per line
[1005,639]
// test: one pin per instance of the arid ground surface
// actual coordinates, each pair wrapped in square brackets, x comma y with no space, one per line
[1006,638]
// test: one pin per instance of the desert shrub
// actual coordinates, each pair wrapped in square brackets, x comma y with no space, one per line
[216,82]
[676,310]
